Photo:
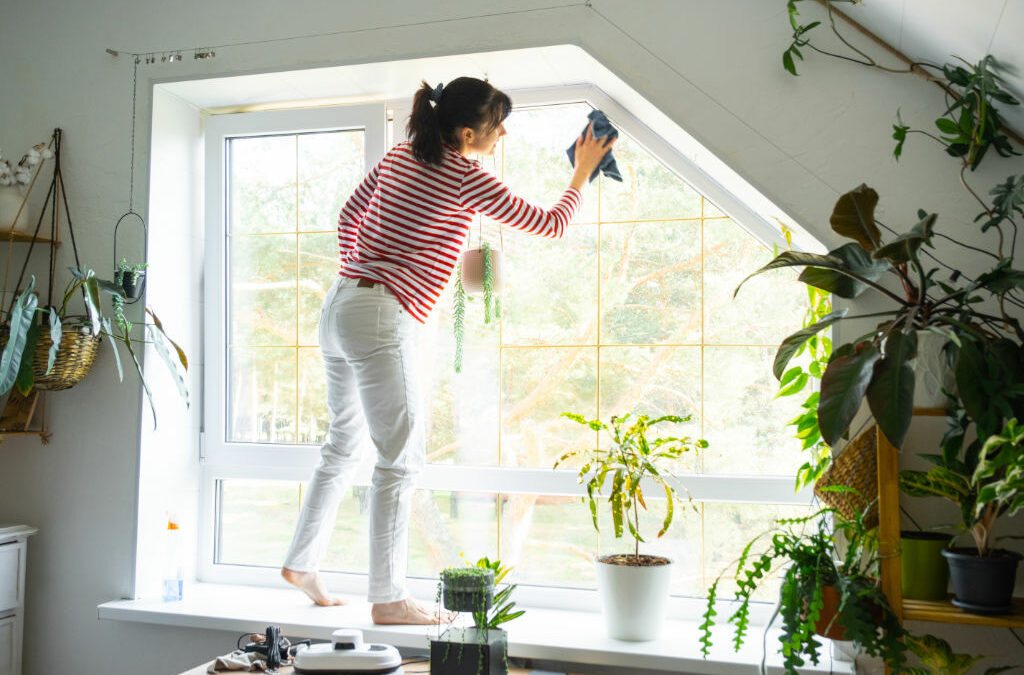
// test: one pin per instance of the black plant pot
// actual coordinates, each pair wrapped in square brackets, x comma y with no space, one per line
[982,584]
[132,284]
[469,651]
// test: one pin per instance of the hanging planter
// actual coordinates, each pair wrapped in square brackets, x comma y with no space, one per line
[77,349]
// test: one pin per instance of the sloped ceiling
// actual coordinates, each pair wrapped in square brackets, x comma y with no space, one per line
[938,30]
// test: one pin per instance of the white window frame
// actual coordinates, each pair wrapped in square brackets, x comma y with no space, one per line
[255,461]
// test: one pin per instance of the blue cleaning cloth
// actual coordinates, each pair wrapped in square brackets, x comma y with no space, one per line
[602,128]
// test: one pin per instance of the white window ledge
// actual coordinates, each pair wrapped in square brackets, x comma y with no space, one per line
[541,634]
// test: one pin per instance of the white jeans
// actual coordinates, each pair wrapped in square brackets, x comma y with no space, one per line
[368,342]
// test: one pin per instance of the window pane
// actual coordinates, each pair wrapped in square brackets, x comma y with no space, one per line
[550,295]
[262,405]
[263,299]
[549,539]
[654,381]
[744,422]
[262,184]
[450,529]
[318,268]
[312,398]
[273,505]
[769,307]
[535,160]
[538,385]
[648,190]
[650,283]
[330,167]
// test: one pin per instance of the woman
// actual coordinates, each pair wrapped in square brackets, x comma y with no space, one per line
[400,235]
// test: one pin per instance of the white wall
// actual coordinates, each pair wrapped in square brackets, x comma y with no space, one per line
[712,67]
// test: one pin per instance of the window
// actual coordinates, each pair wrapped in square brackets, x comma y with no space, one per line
[631,311]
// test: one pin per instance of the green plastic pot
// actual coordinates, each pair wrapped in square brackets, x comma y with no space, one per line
[925,572]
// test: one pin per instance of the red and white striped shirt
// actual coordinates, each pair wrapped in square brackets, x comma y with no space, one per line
[407,222]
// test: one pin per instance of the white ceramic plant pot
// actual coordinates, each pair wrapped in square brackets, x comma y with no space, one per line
[931,374]
[473,271]
[10,202]
[633,599]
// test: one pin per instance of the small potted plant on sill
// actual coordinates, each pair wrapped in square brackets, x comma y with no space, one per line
[633,586]
[131,278]
[827,590]
[483,648]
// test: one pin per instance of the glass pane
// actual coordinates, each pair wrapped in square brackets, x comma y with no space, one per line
[648,190]
[262,405]
[682,543]
[263,290]
[318,268]
[450,529]
[348,549]
[535,161]
[744,422]
[549,539]
[654,381]
[769,307]
[313,419]
[650,283]
[538,385]
[262,184]
[728,528]
[272,504]
[550,296]
[330,167]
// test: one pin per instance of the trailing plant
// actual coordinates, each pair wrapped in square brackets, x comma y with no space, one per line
[502,608]
[875,365]
[492,302]
[628,462]
[123,271]
[938,658]
[809,562]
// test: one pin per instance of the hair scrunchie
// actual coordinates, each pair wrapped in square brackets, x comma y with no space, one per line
[435,94]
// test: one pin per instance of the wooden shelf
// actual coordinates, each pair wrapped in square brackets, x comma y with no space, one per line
[11,235]
[943,612]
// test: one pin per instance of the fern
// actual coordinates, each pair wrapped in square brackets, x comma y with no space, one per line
[488,281]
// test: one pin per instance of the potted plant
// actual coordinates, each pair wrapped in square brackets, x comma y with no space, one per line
[483,648]
[877,364]
[38,338]
[938,658]
[827,589]
[633,587]
[131,278]
[478,273]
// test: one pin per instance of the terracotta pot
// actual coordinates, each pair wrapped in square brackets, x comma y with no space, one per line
[829,610]
[473,271]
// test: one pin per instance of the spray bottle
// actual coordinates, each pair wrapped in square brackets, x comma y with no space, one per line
[174,561]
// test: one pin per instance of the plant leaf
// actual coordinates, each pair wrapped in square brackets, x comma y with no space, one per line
[904,247]
[838,280]
[842,389]
[854,217]
[891,390]
[56,335]
[19,321]
[26,376]
[793,343]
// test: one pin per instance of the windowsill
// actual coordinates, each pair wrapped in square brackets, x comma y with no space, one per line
[542,634]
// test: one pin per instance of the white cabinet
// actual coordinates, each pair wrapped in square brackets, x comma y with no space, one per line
[13,543]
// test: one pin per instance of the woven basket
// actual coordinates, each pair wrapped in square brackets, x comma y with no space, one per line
[856,467]
[78,348]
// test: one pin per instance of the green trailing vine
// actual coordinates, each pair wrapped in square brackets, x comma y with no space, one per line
[459,318]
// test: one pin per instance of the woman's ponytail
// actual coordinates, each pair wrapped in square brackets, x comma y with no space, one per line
[423,127]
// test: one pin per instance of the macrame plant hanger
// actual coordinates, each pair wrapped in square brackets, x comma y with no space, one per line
[136,294]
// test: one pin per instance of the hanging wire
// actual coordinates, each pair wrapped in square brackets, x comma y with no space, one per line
[131,162]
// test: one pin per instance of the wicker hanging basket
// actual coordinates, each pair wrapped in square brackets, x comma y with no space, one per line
[856,467]
[77,352]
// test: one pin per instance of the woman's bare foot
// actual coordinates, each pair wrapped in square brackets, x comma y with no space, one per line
[310,584]
[408,612]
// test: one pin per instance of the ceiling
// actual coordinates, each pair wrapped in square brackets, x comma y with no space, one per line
[939,30]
